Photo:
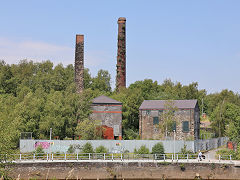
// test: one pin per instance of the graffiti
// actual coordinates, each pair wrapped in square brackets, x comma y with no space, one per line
[45,145]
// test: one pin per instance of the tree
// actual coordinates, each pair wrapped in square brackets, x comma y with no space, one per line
[102,81]
[168,117]
[158,148]
[89,129]
[87,148]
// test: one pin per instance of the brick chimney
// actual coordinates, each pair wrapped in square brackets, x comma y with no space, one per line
[79,63]
[121,54]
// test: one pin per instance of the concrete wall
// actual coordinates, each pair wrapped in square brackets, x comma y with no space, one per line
[116,146]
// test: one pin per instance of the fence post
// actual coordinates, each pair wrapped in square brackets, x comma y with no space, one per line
[219,156]
[104,156]
[47,156]
[230,158]
[65,157]
[20,157]
[164,157]
[187,157]
[121,156]
[34,157]
[177,157]
[52,157]
[89,156]
[155,157]
[112,156]
[77,156]
[172,157]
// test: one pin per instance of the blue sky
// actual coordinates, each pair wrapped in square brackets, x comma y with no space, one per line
[184,40]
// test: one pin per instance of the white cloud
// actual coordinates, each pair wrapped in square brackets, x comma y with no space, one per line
[12,52]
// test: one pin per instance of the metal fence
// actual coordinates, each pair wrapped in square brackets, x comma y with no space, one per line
[120,146]
[54,157]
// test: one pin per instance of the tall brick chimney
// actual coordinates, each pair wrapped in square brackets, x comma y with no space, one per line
[121,54]
[79,63]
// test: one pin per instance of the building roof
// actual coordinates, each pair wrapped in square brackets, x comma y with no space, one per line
[104,100]
[160,104]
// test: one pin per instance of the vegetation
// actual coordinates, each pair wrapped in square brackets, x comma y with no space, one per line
[35,97]
[142,150]
[87,148]
[158,149]
[39,152]
[101,149]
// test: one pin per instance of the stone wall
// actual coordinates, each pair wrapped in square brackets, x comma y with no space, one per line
[148,130]
[122,170]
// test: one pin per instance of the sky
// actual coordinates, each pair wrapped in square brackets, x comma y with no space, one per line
[182,40]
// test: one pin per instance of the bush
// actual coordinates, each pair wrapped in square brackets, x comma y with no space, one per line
[158,148]
[101,149]
[71,149]
[225,154]
[142,150]
[39,152]
[87,148]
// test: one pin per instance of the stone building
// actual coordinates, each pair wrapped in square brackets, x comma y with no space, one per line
[185,119]
[109,112]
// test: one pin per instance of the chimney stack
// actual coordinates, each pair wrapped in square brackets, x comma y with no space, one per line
[121,54]
[79,63]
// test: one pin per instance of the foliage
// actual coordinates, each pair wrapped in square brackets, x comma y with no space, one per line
[168,117]
[130,134]
[142,150]
[89,129]
[71,149]
[101,149]
[35,97]
[182,167]
[39,152]
[87,148]
[225,153]
[158,148]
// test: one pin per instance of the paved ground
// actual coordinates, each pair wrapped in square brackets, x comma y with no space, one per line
[212,154]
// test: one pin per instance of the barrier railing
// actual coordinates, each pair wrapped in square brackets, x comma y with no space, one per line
[110,156]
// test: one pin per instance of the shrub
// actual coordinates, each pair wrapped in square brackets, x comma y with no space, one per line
[158,148]
[71,149]
[101,149]
[142,150]
[87,148]
[184,152]
[182,167]
[39,152]
[225,154]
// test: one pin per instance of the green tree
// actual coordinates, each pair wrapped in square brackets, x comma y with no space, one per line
[89,129]
[168,118]
[102,81]
[158,148]
[87,148]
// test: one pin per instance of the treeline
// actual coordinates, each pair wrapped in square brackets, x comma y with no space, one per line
[35,97]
